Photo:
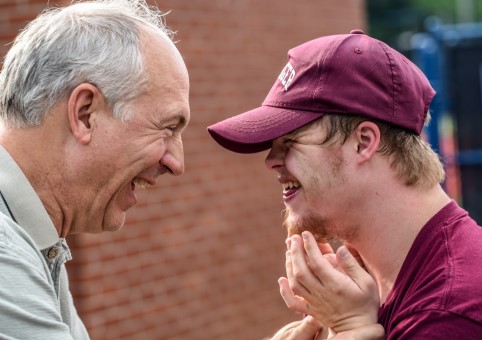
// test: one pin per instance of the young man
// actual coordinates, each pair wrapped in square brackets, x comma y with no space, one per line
[93,100]
[343,123]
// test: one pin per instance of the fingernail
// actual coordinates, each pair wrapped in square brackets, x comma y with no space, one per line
[288,242]
[305,235]
[296,239]
[343,252]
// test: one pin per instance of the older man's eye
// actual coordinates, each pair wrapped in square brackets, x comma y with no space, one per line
[171,128]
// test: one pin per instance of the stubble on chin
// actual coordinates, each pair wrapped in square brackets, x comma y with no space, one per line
[312,223]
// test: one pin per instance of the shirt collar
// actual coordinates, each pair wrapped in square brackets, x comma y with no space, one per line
[24,203]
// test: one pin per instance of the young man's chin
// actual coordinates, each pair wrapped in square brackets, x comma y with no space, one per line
[295,225]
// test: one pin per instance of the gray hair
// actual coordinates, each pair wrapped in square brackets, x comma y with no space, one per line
[95,42]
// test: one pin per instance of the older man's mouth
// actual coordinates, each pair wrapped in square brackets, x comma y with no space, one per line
[140,182]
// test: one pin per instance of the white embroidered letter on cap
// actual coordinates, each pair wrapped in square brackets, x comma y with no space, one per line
[287,72]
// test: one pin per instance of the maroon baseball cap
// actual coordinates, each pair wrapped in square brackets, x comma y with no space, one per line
[344,74]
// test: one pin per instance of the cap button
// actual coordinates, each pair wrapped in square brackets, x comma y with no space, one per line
[357,31]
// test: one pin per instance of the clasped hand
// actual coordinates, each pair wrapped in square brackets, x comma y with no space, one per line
[332,288]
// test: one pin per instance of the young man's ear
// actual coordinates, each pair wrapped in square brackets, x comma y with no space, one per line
[368,140]
[83,103]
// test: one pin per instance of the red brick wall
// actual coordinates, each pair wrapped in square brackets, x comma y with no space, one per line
[200,255]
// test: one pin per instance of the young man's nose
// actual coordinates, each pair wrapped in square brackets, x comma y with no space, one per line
[275,158]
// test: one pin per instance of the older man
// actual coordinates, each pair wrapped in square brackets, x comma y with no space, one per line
[93,101]
[343,123]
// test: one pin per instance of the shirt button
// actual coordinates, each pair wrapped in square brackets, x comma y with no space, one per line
[53,252]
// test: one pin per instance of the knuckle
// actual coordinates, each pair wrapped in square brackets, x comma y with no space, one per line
[299,275]
[315,267]
[296,288]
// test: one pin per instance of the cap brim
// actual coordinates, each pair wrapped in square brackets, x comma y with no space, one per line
[253,131]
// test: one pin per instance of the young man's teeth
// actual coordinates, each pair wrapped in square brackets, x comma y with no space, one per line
[142,183]
[289,185]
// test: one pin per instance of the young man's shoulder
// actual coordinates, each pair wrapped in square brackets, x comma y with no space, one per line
[439,282]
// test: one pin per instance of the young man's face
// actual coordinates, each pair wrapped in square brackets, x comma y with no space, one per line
[314,180]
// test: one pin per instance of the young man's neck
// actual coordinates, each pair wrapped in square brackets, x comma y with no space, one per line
[386,237]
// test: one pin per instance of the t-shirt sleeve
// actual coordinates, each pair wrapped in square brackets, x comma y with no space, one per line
[435,325]
[29,308]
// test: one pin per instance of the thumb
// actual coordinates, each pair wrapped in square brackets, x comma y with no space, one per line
[355,254]
[350,265]
[308,328]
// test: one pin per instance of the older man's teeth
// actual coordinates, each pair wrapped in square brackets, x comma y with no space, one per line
[290,185]
[142,183]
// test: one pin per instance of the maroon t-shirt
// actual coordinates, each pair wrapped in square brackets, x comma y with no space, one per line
[438,292]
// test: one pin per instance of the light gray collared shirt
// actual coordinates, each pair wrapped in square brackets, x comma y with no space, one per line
[35,300]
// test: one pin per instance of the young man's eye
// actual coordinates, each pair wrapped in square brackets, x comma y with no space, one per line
[288,142]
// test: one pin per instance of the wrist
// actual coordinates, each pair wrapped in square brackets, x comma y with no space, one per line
[352,323]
